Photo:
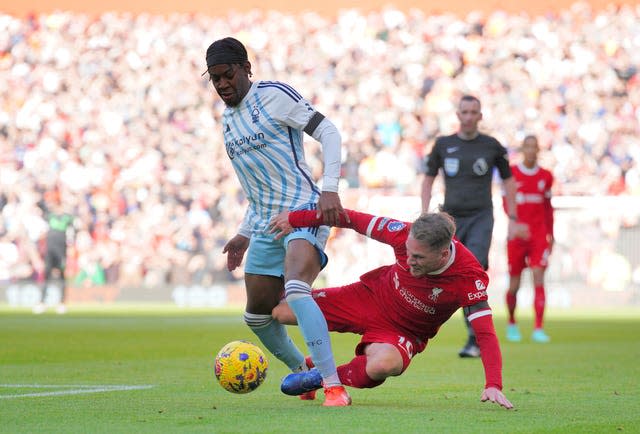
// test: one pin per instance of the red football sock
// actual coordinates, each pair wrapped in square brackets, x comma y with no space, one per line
[354,374]
[511,306]
[538,305]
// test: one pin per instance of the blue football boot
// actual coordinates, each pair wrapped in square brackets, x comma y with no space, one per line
[513,333]
[540,336]
[298,383]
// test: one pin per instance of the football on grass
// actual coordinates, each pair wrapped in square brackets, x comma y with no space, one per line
[241,367]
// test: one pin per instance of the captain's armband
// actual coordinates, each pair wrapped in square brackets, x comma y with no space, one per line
[313,123]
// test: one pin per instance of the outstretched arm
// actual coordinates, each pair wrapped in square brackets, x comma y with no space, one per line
[283,223]
[383,229]
[479,316]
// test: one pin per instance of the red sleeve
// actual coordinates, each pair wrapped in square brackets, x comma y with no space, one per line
[482,325]
[384,229]
[307,218]
[303,219]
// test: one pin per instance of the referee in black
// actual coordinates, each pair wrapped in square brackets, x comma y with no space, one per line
[467,159]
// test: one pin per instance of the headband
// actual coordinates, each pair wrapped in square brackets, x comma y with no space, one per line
[226,51]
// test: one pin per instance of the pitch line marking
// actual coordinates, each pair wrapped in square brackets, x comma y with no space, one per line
[74,389]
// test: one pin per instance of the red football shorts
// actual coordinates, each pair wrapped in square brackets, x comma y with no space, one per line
[350,309]
[532,252]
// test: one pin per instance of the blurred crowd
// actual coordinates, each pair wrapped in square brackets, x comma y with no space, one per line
[109,118]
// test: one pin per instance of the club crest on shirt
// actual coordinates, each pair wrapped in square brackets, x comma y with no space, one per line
[480,167]
[480,285]
[435,292]
[395,226]
[255,115]
[451,166]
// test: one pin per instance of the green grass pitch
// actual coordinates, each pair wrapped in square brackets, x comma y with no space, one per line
[150,370]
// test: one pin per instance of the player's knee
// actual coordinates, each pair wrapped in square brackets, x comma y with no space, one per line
[260,308]
[538,276]
[384,365]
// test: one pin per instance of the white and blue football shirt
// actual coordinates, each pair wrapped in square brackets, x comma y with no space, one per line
[263,137]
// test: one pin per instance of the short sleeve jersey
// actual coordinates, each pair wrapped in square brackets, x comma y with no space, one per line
[263,137]
[533,198]
[468,170]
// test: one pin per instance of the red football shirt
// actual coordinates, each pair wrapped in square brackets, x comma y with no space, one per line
[418,305]
[533,198]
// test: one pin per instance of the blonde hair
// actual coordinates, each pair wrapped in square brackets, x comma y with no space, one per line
[435,230]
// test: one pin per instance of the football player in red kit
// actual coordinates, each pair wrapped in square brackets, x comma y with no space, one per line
[533,199]
[397,308]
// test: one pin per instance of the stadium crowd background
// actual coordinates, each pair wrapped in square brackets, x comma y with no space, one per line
[109,115]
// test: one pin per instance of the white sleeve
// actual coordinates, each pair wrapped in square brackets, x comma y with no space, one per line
[304,116]
[329,137]
[245,229]
[296,114]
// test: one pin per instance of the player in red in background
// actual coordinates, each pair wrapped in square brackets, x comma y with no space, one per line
[397,308]
[533,199]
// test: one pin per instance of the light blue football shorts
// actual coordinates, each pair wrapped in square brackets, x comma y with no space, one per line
[266,256]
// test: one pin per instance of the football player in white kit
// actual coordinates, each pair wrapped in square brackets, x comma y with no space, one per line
[263,125]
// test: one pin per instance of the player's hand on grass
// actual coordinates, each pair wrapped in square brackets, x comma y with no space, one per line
[235,249]
[495,395]
[330,208]
[280,226]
